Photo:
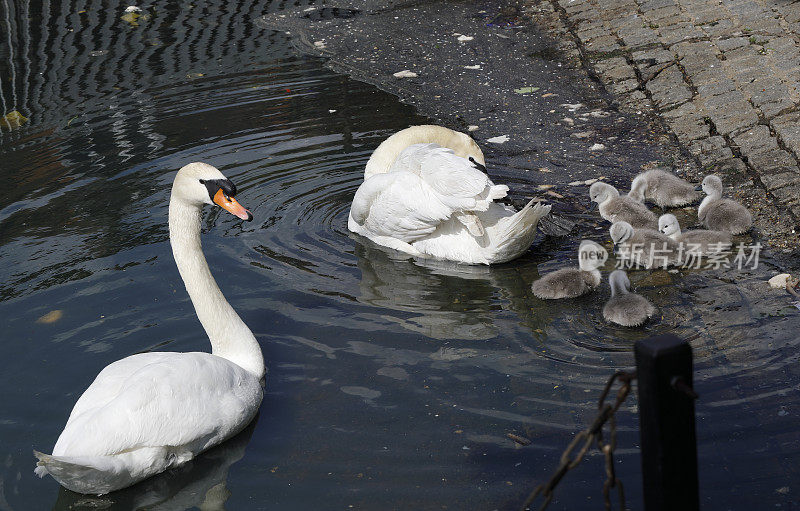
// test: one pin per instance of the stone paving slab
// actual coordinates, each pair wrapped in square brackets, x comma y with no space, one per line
[722,75]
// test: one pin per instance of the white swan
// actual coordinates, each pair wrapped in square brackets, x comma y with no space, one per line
[425,193]
[153,411]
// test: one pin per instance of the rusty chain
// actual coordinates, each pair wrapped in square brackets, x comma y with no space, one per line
[585,439]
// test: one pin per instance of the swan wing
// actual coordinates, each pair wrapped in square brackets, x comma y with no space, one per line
[181,400]
[452,175]
[401,206]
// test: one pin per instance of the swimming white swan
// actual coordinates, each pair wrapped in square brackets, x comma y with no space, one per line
[616,208]
[664,188]
[720,214]
[153,411]
[626,308]
[426,193]
[573,282]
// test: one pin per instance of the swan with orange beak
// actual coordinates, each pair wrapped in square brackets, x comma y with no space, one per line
[222,193]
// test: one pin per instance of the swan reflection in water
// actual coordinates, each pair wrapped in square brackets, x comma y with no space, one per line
[448,300]
[200,483]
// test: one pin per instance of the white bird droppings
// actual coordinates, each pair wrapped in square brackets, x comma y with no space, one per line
[405,73]
[597,147]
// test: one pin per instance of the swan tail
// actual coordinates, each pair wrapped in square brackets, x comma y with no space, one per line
[98,475]
[516,233]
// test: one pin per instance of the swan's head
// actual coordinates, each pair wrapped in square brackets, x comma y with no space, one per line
[712,186]
[600,192]
[618,280]
[591,255]
[200,183]
[638,187]
[620,232]
[669,225]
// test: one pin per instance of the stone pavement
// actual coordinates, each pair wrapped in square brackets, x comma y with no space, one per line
[722,75]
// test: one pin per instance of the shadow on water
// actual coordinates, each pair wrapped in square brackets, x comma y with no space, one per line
[392,381]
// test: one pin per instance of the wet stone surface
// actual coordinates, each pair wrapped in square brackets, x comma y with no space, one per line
[486,69]
[716,73]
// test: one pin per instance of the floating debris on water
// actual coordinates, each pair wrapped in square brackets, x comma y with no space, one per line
[13,120]
[51,317]
[405,73]
[192,76]
[132,16]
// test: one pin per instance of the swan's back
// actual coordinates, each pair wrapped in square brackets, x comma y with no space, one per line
[627,209]
[148,412]
[166,398]
[564,283]
[628,309]
[727,215]
[667,189]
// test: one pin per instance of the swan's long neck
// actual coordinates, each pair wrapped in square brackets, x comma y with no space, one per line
[230,338]
[618,287]
[707,200]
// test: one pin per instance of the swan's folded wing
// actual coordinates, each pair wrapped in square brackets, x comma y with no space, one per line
[160,399]
[452,175]
[406,208]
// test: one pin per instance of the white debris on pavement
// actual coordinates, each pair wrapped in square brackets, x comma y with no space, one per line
[502,139]
[597,147]
[779,281]
[405,73]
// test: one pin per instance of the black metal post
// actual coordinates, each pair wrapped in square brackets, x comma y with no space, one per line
[667,424]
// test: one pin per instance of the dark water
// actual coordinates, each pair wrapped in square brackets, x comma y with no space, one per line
[392,382]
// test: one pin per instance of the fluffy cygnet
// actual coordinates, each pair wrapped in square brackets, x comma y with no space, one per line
[697,242]
[643,247]
[626,308]
[615,208]
[573,282]
[664,188]
[720,214]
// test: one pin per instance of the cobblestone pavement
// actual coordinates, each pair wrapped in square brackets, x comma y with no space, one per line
[722,75]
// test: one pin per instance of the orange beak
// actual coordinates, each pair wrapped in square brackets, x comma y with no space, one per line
[231,205]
